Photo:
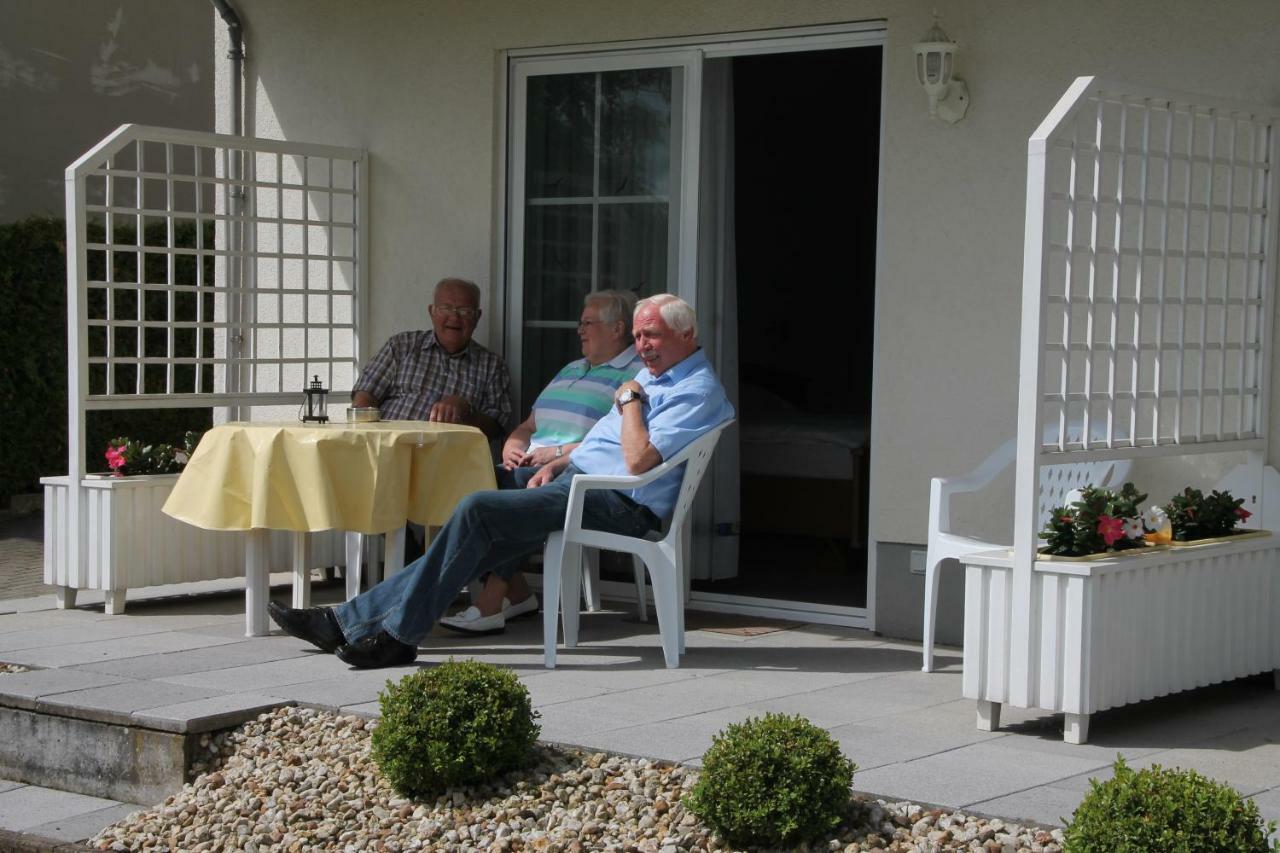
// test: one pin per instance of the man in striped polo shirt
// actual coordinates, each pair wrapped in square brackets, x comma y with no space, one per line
[579,395]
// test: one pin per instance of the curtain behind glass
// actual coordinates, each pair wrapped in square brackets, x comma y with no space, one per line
[716,512]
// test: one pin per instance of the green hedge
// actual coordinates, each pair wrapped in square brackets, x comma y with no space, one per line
[33,356]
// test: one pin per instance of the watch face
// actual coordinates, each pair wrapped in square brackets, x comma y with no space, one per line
[626,396]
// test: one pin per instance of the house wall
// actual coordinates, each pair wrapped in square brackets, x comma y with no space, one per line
[420,84]
[71,71]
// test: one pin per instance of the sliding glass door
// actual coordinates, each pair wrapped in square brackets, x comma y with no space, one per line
[603,171]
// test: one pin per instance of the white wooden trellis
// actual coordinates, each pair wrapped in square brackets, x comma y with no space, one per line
[1149,268]
[149,325]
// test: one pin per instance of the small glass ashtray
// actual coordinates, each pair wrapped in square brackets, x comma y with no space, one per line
[361,414]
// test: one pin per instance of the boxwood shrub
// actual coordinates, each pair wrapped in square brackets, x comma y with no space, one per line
[460,723]
[773,781]
[1169,810]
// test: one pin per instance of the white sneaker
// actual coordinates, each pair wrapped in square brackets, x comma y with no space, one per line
[470,621]
[524,608]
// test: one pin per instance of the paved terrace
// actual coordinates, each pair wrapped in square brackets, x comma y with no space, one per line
[177,659]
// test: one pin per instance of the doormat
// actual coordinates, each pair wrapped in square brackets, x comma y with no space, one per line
[735,624]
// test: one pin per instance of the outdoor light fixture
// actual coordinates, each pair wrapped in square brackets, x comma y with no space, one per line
[935,63]
[316,406]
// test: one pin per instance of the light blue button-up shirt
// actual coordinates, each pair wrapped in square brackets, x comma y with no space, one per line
[684,402]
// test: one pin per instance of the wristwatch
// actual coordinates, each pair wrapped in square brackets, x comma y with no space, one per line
[559,450]
[627,396]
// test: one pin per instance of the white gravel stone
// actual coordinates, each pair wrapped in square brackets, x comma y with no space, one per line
[299,780]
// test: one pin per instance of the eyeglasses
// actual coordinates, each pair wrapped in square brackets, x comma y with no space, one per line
[587,324]
[460,313]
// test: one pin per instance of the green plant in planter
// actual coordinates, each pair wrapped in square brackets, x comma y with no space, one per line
[1159,809]
[126,457]
[1195,515]
[1099,520]
[773,781]
[459,723]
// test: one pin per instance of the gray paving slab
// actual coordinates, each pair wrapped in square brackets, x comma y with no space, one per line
[364,709]
[117,703]
[68,632]
[38,683]
[1044,804]
[221,656]
[29,806]
[82,827]
[43,619]
[875,745]
[673,740]
[354,687]
[1268,803]
[969,774]
[266,676]
[587,727]
[209,713]
[8,785]
[1252,766]
[674,699]
[579,681]
[74,653]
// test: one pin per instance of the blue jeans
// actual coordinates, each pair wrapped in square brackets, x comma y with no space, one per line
[490,531]
[516,478]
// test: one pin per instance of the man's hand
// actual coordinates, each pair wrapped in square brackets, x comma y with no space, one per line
[513,453]
[548,472]
[538,457]
[450,409]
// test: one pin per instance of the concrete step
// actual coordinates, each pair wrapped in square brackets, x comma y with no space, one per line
[52,737]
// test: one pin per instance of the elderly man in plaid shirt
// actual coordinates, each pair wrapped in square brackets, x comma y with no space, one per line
[440,375]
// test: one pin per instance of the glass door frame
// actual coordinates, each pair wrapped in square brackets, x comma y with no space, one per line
[683,192]
[510,221]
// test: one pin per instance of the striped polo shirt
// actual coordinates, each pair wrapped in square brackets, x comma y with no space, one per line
[578,396]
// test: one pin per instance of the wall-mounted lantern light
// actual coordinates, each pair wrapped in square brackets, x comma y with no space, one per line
[935,65]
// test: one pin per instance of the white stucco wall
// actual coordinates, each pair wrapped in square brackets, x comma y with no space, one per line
[419,84]
[72,71]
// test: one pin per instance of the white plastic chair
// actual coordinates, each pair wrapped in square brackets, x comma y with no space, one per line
[664,557]
[944,544]
[591,589]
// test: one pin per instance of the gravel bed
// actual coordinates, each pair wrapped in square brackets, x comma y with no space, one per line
[12,667]
[299,780]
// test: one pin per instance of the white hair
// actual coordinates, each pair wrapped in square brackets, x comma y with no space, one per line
[472,289]
[614,305]
[675,312]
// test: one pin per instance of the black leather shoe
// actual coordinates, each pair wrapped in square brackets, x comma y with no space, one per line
[377,651]
[317,625]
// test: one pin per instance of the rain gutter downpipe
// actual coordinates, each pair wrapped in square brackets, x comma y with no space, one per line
[236,199]
[235,34]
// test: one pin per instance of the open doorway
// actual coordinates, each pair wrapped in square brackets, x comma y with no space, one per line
[805,152]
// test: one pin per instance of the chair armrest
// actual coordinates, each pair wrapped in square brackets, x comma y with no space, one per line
[584,483]
[942,488]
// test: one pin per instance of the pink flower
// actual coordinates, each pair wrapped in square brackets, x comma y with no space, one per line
[1110,529]
[1242,513]
[115,459]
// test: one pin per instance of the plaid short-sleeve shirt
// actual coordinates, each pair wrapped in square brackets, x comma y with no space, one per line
[412,372]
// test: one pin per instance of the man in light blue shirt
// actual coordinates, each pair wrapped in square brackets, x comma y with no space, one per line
[675,399]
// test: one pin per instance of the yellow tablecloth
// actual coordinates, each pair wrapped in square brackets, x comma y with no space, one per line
[367,478]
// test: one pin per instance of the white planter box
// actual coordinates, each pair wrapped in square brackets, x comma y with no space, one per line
[1121,630]
[130,543]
